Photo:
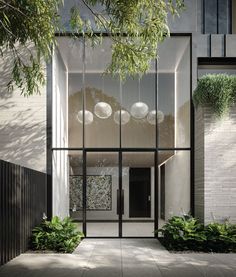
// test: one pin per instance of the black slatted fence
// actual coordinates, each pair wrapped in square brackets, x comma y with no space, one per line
[22,204]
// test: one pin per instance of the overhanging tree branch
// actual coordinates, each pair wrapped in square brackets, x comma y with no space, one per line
[144,23]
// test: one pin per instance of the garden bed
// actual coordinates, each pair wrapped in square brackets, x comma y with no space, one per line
[55,236]
[186,234]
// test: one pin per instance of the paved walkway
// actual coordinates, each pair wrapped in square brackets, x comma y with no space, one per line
[121,258]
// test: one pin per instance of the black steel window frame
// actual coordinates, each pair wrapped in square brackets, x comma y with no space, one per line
[119,150]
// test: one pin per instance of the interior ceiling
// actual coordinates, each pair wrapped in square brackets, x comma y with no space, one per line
[110,159]
[170,54]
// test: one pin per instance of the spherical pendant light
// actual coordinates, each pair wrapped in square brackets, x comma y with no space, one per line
[122,117]
[88,117]
[151,117]
[103,110]
[139,110]
[160,116]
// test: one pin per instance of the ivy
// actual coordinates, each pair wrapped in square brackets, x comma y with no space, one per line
[217,91]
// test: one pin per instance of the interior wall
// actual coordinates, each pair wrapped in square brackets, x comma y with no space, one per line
[182,99]
[112,214]
[22,122]
[177,184]
[60,137]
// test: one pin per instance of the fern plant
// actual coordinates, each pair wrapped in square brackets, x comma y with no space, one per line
[183,233]
[217,91]
[56,235]
[186,233]
[221,237]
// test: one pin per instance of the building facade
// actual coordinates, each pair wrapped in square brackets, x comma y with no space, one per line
[123,157]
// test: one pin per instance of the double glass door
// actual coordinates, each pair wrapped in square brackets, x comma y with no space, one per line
[119,190]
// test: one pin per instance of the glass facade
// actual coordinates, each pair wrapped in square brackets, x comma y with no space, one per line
[174,188]
[113,140]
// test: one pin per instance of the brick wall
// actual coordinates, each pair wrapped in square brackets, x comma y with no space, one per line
[215,166]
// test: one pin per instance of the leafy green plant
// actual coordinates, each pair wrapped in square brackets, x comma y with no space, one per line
[56,235]
[186,233]
[217,91]
[221,237]
[182,233]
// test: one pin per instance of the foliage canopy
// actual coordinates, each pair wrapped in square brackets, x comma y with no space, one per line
[135,27]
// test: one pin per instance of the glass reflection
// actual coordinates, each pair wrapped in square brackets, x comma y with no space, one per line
[139,131]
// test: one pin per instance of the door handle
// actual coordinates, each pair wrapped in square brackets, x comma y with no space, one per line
[149,198]
[120,201]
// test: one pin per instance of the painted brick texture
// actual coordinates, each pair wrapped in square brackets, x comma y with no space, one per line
[215,166]
[22,123]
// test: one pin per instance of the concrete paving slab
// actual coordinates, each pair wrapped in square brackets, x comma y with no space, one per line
[209,265]
[121,258]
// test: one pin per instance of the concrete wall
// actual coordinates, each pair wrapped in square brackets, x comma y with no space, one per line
[22,123]
[60,137]
[189,21]
[215,174]
[234,17]
[177,184]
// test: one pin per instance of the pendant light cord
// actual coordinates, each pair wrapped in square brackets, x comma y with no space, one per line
[103,88]
[139,90]
[103,81]
[121,100]
[83,75]
[83,93]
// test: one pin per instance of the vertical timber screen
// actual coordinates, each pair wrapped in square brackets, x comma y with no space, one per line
[22,204]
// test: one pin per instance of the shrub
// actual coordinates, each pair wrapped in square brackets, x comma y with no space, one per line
[217,91]
[183,233]
[221,237]
[56,235]
[186,233]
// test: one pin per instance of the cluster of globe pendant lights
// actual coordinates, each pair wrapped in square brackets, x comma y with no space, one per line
[103,110]
[139,110]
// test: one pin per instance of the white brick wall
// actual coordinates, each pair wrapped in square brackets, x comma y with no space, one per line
[215,166]
[22,124]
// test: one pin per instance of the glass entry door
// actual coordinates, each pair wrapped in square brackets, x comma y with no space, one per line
[120,189]
[102,188]
[138,184]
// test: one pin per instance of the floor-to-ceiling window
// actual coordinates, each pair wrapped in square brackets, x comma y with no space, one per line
[124,166]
